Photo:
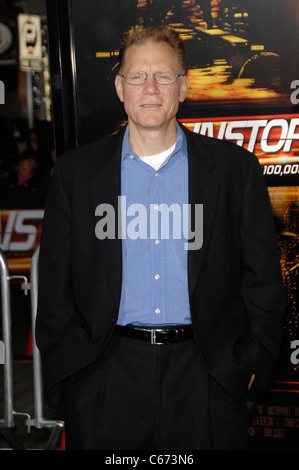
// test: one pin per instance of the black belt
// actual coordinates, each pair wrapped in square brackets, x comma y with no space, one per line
[163,335]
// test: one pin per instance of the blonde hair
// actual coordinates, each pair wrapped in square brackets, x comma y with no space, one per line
[158,34]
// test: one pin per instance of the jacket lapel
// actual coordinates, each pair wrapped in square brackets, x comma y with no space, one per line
[203,189]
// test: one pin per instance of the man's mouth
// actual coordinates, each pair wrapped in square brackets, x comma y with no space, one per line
[150,105]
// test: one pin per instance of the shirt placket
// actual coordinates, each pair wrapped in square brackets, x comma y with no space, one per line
[157,250]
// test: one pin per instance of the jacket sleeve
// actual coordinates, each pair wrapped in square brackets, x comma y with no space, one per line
[56,308]
[263,290]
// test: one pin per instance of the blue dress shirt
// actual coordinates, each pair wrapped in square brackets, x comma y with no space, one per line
[155,280]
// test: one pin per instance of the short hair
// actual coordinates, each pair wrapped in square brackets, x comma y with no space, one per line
[139,35]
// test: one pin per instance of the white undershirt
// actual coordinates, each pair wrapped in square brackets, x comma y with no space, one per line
[156,160]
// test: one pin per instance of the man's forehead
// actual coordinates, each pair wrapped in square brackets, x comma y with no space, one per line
[154,53]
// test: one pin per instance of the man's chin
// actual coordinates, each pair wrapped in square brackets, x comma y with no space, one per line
[153,123]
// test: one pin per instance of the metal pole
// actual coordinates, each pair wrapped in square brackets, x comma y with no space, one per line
[39,420]
[37,371]
[6,322]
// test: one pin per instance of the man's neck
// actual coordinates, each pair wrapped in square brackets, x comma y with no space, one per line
[146,142]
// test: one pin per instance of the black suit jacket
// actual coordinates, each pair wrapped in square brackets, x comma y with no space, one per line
[235,286]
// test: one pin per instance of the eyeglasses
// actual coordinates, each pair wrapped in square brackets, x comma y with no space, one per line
[163,78]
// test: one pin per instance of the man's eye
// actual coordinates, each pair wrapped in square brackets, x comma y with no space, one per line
[137,77]
[165,76]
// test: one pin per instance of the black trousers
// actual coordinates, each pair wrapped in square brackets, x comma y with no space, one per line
[139,396]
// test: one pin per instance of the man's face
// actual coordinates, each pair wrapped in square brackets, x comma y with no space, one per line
[150,105]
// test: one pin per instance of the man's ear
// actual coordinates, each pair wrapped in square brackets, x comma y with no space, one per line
[184,88]
[119,87]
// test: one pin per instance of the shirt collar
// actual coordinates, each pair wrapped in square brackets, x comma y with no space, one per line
[181,142]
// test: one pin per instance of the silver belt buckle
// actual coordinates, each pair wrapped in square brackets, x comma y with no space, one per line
[153,336]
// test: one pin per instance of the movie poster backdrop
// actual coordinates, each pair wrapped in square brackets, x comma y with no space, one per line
[244,87]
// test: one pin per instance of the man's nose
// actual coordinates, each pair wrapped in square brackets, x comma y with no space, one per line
[150,85]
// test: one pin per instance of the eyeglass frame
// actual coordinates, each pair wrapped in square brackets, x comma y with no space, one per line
[146,75]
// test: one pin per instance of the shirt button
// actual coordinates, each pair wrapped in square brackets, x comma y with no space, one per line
[156,206]
[131,156]
[156,174]
[157,276]
[157,242]
[157,310]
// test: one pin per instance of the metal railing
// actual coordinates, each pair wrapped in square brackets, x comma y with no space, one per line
[7,423]
[6,325]
[39,421]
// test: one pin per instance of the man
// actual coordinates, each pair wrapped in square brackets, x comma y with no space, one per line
[149,339]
